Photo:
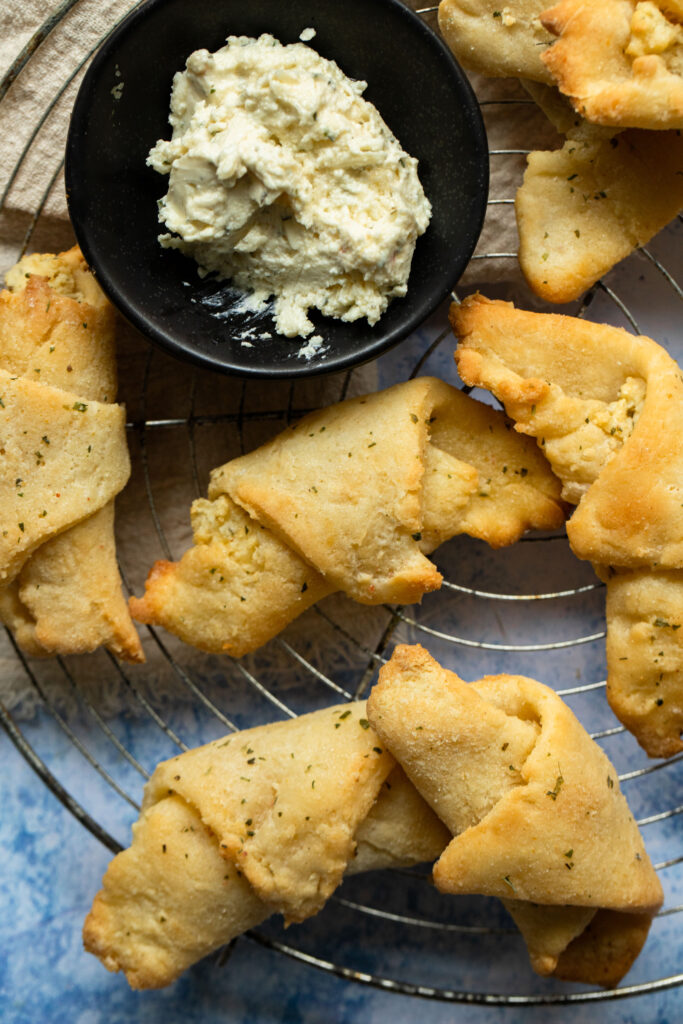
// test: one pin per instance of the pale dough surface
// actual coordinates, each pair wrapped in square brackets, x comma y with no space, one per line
[606,407]
[532,802]
[57,328]
[584,207]
[266,820]
[350,498]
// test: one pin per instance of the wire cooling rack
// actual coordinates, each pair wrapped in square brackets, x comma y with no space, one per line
[100,727]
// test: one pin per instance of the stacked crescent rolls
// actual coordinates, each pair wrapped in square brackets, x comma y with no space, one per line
[496,778]
[63,460]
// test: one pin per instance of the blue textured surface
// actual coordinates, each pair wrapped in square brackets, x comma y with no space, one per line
[51,866]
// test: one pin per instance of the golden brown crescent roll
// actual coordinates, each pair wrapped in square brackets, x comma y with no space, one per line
[351,498]
[497,40]
[66,461]
[586,206]
[264,821]
[583,208]
[534,808]
[619,61]
[606,407]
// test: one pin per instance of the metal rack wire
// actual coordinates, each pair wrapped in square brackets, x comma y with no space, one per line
[476,622]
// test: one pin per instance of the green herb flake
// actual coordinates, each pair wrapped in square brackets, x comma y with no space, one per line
[554,793]
[507,881]
[363,723]
[80,406]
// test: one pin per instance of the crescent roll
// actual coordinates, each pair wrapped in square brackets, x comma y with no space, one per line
[353,498]
[534,808]
[265,821]
[65,459]
[268,820]
[619,61]
[498,41]
[607,410]
[583,208]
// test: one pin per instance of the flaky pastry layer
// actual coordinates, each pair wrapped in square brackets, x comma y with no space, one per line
[533,805]
[65,461]
[606,408]
[353,498]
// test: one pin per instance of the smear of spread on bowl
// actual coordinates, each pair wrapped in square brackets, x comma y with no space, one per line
[285,180]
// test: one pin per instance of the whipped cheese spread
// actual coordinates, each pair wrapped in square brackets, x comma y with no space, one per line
[283,179]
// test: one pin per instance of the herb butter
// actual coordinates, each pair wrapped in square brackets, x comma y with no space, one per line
[285,180]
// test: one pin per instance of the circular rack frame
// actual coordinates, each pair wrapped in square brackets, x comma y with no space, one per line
[105,743]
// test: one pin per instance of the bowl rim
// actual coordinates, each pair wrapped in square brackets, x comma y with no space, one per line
[182,349]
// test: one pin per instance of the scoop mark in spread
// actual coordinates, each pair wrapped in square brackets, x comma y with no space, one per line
[285,180]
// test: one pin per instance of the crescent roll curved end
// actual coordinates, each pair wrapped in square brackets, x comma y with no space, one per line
[533,804]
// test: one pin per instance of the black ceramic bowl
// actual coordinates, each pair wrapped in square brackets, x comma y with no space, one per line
[122,109]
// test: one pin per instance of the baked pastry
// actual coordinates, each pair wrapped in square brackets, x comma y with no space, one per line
[65,459]
[264,821]
[583,208]
[534,808]
[268,821]
[606,407]
[619,61]
[586,206]
[351,498]
[497,41]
